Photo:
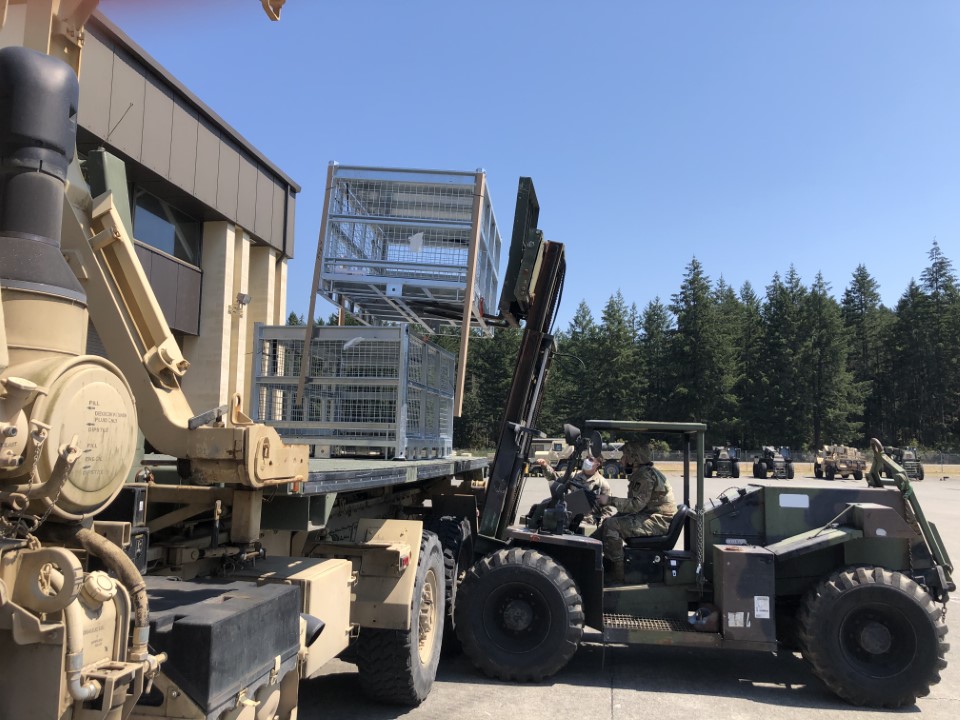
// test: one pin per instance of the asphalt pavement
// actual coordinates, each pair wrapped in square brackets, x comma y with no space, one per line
[627,683]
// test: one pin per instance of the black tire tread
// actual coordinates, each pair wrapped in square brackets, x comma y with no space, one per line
[451,534]
[574,609]
[822,597]
[385,657]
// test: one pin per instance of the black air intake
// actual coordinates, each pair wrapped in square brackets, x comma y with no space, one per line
[38,128]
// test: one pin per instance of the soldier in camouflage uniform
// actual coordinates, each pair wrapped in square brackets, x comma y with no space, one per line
[647,509]
[590,477]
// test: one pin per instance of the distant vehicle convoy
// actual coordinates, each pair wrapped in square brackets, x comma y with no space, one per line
[723,461]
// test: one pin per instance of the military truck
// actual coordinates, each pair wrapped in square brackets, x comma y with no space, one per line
[723,461]
[234,567]
[855,579]
[840,460]
[908,458]
[774,462]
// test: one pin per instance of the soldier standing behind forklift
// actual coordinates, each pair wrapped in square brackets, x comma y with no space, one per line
[647,509]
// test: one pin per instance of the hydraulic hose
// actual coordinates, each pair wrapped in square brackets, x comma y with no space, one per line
[128,575]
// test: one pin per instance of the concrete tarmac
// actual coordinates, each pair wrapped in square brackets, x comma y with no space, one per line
[631,683]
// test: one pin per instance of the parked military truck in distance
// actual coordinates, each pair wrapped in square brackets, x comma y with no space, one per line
[722,461]
[908,458]
[840,460]
[773,462]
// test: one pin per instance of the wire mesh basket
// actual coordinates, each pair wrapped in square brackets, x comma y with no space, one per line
[370,391]
[396,244]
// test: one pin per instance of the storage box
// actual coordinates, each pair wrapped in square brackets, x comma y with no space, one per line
[745,592]
[398,244]
[379,391]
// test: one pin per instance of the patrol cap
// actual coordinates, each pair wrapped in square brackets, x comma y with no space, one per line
[639,451]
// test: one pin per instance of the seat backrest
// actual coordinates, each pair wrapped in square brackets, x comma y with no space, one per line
[663,542]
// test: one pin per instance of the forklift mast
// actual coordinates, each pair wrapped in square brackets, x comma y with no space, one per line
[532,289]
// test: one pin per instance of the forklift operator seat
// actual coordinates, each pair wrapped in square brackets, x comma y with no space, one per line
[662,542]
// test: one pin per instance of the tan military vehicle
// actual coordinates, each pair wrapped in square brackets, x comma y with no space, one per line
[833,460]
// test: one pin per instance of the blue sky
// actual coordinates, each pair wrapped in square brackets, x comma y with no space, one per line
[752,135]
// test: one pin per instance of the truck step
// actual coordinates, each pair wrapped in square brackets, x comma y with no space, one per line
[635,630]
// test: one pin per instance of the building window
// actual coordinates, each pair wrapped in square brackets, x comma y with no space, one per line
[161,226]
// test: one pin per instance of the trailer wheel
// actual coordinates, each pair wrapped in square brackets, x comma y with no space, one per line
[519,615]
[399,666]
[874,637]
[456,539]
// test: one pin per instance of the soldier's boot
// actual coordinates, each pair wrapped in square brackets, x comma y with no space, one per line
[615,576]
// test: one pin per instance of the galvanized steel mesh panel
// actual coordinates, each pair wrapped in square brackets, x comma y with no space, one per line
[368,390]
[396,243]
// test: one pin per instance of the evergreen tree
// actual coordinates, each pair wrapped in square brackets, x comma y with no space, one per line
[614,363]
[786,381]
[750,384]
[698,376]
[863,319]
[656,329]
[939,284]
[834,397]
[725,423]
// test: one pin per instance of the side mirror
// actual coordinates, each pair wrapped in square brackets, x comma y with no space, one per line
[596,444]
[571,434]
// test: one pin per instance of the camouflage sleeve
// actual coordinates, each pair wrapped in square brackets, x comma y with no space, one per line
[549,473]
[638,495]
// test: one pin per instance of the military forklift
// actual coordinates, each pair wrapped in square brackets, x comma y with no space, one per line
[855,579]
[909,459]
[723,461]
[774,462]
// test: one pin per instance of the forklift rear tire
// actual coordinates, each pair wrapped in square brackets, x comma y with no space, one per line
[735,469]
[791,473]
[399,666]
[874,637]
[519,615]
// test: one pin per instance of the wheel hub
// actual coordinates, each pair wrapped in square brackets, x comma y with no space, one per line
[517,615]
[875,638]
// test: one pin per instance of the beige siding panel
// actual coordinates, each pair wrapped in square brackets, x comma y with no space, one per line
[264,219]
[126,108]
[208,164]
[96,76]
[288,237]
[247,194]
[183,150]
[229,180]
[279,205]
[157,128]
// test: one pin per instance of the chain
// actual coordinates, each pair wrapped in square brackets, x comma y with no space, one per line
[39,437]
[700,547]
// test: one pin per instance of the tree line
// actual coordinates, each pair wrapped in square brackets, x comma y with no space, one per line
[789,365]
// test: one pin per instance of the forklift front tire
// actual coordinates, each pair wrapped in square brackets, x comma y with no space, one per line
[519,615]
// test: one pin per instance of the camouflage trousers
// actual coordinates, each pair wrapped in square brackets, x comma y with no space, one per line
[618,528]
